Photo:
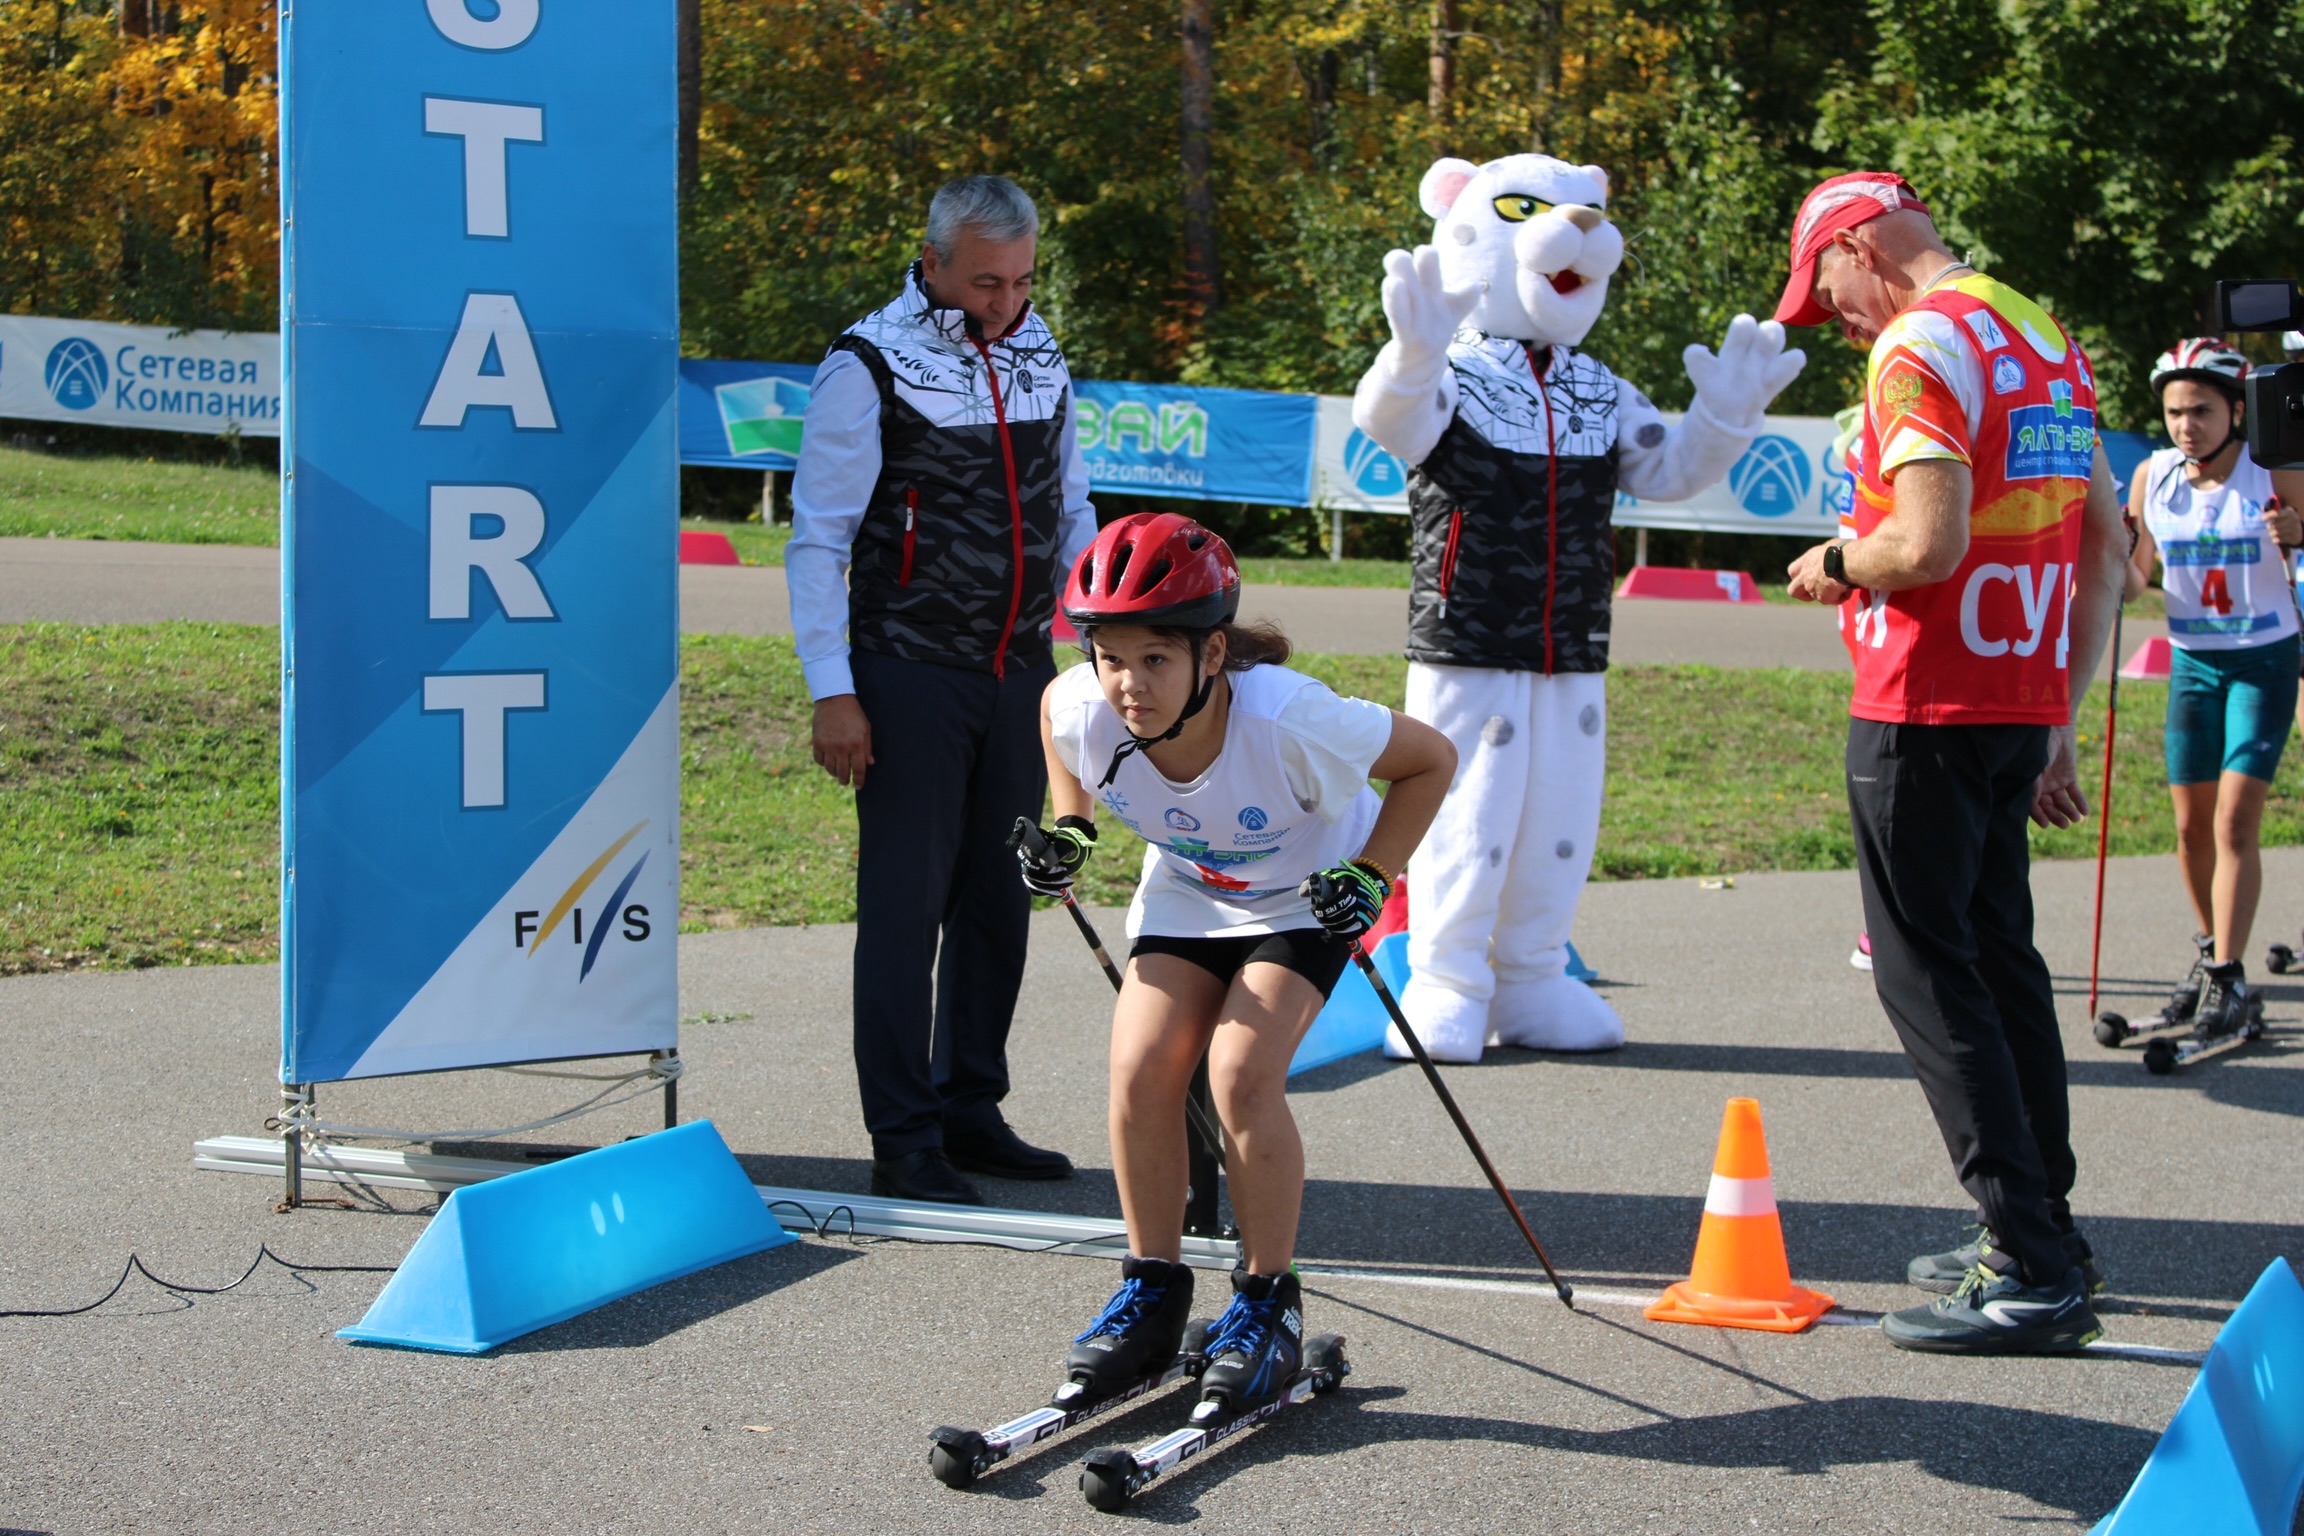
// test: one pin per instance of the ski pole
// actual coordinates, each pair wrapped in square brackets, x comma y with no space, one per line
[2104,810]
[1367,966]
[1029,838]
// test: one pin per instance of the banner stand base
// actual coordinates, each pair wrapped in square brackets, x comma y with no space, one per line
[816,1213]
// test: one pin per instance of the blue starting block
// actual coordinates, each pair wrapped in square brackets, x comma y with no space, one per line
[540,1246]
[1354,1019]
[2232,1460]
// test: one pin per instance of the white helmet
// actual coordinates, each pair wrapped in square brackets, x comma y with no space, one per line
[2203,358]
[2292,342]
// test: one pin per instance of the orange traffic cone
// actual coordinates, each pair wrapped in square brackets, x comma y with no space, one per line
[1741,1279]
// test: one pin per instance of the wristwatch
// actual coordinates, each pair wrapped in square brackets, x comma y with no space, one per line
[1836,562]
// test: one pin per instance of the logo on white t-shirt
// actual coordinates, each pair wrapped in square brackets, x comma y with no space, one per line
[1182,821]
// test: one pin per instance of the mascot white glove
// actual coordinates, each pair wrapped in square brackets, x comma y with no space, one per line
[1735,387]
[1426,314]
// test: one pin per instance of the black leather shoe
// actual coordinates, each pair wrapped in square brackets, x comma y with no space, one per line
[924,1175]
[1000,1153]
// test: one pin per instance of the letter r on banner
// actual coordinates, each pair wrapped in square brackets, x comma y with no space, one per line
[483,698]
[457,551]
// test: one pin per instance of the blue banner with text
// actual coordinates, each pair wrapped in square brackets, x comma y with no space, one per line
[481,352]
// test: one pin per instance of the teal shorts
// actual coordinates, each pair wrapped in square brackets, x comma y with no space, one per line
[2230,711]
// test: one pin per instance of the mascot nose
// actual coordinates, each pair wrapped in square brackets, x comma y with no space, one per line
[1585,219]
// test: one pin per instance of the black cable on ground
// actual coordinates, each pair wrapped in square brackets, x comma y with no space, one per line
[136,1266]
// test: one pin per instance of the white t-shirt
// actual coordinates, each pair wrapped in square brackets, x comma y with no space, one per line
[1286,797]
[2226,584]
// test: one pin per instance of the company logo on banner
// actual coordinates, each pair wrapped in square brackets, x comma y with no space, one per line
[139,376]
[1374,471]
[76,373]
[762,416]
[1772,478]
[482,721]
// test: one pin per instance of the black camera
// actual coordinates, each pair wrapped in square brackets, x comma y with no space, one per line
[2275,395]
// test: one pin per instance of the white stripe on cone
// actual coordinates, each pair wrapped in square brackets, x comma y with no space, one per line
[1740,1197]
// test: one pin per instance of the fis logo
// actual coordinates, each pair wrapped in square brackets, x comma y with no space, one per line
[630,922]
[1987,330]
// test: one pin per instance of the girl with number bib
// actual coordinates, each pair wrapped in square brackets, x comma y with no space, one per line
[2221,526]
[1247,780]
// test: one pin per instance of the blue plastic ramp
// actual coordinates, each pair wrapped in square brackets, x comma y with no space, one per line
[1354,1019]
[2232,1460]
[538,1247]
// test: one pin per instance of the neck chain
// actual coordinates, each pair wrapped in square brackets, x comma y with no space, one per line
[1943,274]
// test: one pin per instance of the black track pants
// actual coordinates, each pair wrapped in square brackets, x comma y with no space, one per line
[1940,814]
[957,760]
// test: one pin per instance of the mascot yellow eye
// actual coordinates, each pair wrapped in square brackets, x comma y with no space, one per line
[1514,208]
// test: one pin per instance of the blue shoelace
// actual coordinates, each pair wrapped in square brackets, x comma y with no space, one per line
[1242,1328]
[1128,1303]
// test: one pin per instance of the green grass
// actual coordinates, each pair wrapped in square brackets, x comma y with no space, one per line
[139,814]
[1259,571]
[57,496]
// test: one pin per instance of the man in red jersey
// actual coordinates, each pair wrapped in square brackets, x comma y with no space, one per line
[1986,566]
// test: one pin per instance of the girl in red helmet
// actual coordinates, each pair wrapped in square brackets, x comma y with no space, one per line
[2220,526]
[1245,778]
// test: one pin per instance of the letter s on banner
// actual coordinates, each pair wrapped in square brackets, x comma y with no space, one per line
[514,20]
[1970,597]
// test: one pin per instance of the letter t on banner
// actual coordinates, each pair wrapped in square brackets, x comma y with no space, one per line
[481,337]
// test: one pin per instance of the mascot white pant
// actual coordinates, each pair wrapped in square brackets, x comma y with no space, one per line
[1493,888]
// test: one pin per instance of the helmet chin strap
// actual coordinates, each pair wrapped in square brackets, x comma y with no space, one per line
[2232,435]
[1136,743]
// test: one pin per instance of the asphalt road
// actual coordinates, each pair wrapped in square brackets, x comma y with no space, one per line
[794,1391]
[83,581]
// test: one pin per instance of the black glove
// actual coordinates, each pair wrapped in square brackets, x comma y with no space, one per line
[1049,860]
[1346,899]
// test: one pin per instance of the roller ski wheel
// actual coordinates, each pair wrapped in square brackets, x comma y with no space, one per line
[2278,959]
[959,1457]
[1112,1477]
[2164,1056]
[2112,1029]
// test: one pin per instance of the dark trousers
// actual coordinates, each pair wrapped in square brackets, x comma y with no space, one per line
[957,759]
[1940,814]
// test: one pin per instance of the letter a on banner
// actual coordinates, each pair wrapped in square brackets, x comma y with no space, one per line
[481,349]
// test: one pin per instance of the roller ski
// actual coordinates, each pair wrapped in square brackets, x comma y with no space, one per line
[1258,1362]
[2231,1014]
[2114,1030]
[1138,1345]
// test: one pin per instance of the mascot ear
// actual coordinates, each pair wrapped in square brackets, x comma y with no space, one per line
[1597,174]
[1443,184]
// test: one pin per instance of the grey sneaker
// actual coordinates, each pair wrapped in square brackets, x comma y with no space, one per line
[1996,1314]
[1943,1272]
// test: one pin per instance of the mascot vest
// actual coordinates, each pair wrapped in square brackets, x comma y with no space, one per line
[1987,645]
[1512,550]
[955,561]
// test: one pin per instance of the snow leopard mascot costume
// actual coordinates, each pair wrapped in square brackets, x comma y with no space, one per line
[1517,445]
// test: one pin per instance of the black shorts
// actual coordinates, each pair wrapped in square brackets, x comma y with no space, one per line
[1312,953]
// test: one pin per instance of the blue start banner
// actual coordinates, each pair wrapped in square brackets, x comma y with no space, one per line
[482,339]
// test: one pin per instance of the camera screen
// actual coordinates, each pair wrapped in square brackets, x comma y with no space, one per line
[2258,306]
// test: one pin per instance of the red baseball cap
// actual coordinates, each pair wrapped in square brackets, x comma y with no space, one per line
[1840,203]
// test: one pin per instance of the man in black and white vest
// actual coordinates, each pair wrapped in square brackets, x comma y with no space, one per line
[938,474]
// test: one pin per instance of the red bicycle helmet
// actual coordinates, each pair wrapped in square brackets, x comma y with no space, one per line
[2203,358]
[1158,568]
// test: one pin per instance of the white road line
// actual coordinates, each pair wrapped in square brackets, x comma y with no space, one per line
[1840,1317]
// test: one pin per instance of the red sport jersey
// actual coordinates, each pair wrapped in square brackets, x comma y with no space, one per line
[1978,374]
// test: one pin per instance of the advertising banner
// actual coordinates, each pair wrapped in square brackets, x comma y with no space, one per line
[742,415]
[1200,444]
[139,376]
[480,758]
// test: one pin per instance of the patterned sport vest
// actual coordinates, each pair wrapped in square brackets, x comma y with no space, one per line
[955,561]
